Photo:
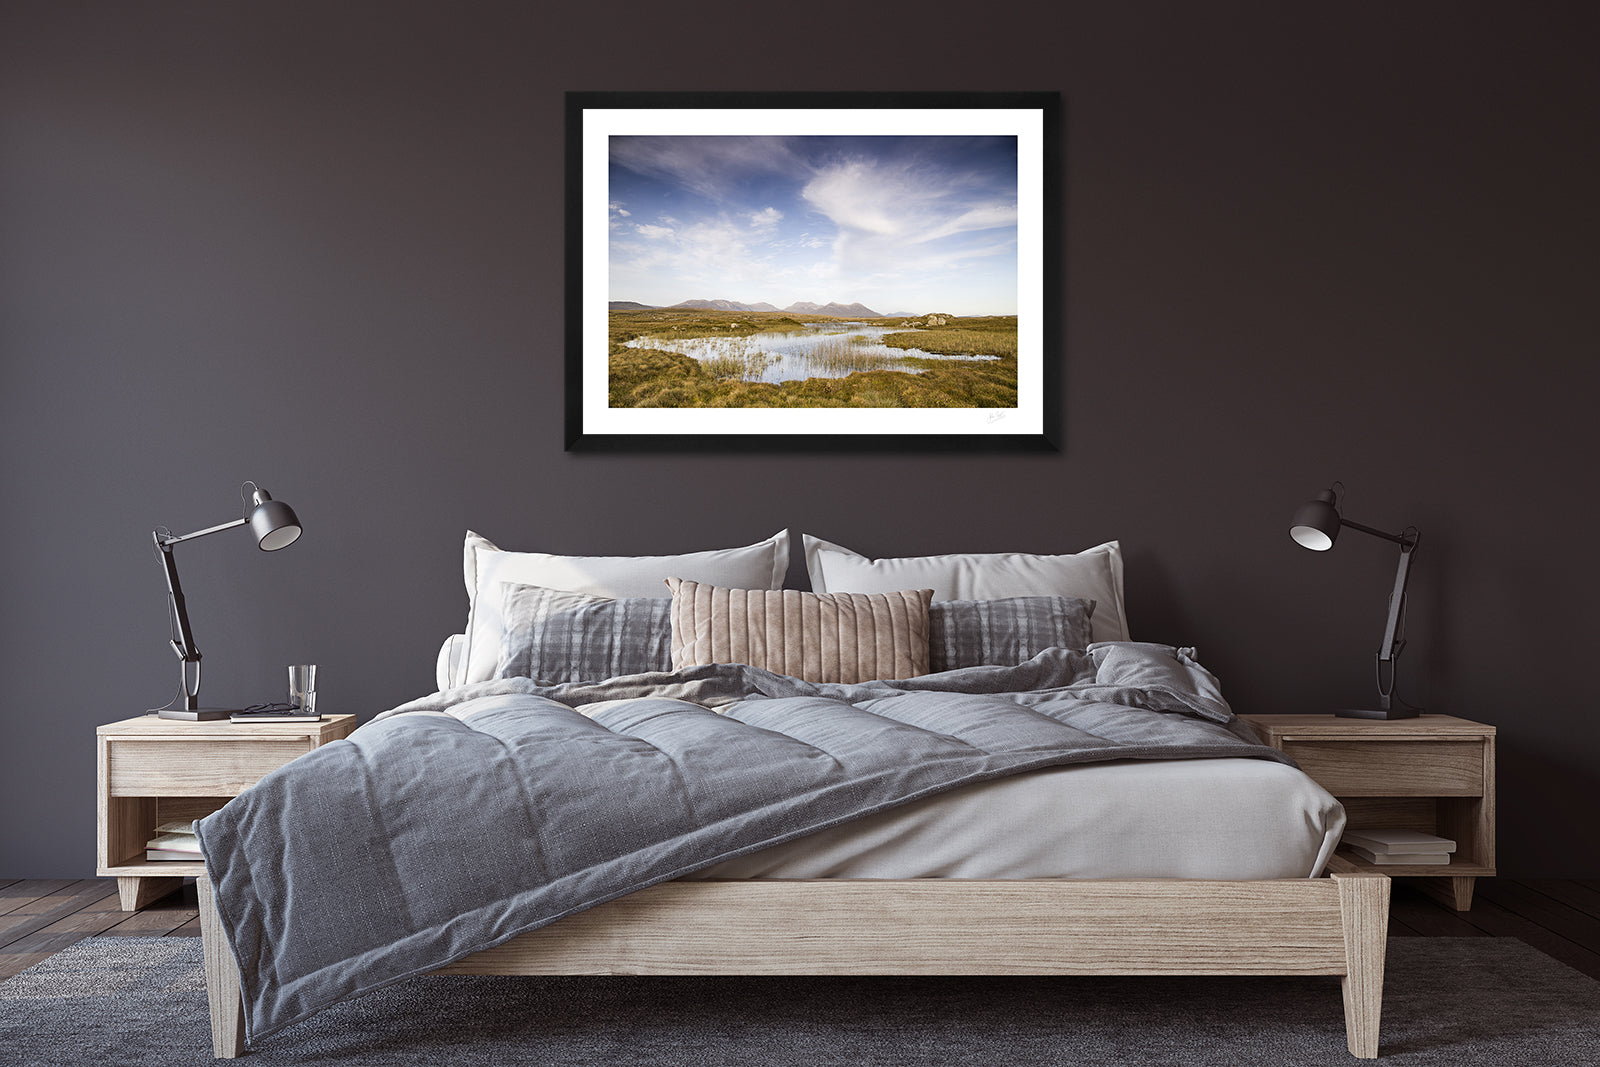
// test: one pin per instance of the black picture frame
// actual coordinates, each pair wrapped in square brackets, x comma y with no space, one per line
[592,426]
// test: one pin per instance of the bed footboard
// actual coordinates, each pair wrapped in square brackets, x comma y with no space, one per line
[1334,926]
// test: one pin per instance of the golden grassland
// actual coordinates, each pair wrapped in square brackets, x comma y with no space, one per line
[648,377]
[693,322]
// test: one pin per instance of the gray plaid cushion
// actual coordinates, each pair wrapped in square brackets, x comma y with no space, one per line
[1006,632]
[555,636]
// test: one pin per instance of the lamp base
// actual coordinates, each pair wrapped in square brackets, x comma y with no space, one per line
[195,714]
[1377,713]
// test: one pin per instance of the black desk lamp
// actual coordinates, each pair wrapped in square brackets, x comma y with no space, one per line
[275,526]
[1315,526]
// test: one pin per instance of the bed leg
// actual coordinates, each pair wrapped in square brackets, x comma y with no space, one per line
[1364,910]
[222,979]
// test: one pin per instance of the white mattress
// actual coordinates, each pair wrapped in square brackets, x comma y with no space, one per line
[1206,818]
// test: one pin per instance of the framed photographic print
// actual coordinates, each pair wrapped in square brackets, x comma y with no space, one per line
[813,271]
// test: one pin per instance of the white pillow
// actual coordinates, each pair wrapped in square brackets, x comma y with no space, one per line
[1093,574]
[484,566]
[448,664]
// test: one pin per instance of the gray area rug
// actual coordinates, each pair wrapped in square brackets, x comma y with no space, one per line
[1448,1001]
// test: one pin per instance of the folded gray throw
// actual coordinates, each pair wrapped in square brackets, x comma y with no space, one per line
[456,822]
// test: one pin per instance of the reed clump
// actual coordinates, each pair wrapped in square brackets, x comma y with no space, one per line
[842,355]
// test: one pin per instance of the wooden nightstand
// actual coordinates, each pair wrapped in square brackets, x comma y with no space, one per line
[153,770]
[1434,773]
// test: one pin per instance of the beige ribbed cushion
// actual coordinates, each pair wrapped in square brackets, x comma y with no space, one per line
[820,637]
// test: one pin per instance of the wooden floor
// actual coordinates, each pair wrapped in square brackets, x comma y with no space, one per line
[1559,918]
[39,917]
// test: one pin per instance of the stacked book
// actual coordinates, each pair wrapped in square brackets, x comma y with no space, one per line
[1408,847]
[173,841]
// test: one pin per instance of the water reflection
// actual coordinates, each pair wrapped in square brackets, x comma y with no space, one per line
[822,350]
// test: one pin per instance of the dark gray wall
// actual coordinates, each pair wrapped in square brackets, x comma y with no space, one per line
[321,247]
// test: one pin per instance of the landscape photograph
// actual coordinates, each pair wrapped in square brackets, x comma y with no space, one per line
[812,271]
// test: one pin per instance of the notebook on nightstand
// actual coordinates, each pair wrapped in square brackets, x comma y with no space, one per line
[1382,846]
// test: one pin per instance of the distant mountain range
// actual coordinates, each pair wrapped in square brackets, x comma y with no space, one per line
[724,305]
[843,311]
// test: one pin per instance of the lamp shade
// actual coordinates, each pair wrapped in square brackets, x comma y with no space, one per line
[1316,523]
[274,522]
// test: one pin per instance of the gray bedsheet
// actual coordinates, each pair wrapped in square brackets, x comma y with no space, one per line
[458,821]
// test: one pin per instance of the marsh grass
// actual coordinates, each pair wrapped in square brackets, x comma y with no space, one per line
[624,326]
[732,357]
[645,377]
[725,366]
[995,336]
[842,355]
[745,366]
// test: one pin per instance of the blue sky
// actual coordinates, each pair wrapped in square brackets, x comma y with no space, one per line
[900,224]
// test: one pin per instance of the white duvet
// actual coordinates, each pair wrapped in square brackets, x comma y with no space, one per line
[1204,818]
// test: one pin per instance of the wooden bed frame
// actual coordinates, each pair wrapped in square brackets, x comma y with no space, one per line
[1331,925]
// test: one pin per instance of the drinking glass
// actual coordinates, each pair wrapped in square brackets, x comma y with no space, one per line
[303,687]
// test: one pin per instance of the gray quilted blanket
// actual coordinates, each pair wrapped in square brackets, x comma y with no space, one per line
[458,821]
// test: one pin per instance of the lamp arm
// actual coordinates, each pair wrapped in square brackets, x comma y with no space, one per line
[183,641]
[1407,540]
[1400,538]
[183,644]
[163,542]
[1392,639]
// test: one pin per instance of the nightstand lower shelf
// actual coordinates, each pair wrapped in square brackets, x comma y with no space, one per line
[1430,870]
[142,881]
[139,867]
[1464,820]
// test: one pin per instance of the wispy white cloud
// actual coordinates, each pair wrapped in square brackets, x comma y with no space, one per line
[709,166]
[907,223]
[718,250]
[990,216]
[904,203]
[858,196]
